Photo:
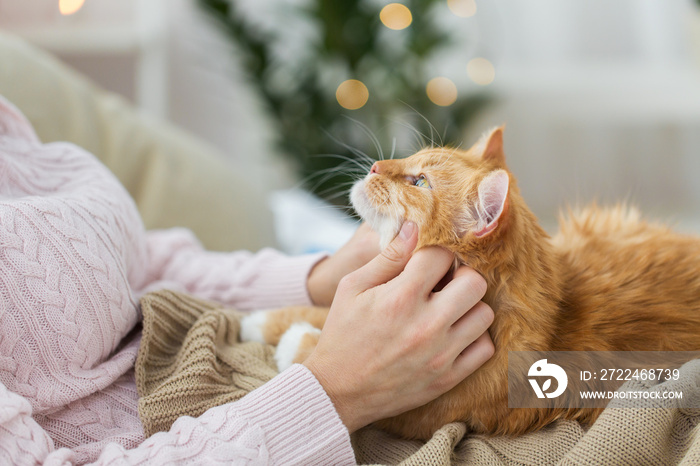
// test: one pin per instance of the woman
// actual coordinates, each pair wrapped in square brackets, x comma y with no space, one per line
[74,259]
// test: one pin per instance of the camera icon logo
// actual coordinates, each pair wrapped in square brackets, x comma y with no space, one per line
[541,369]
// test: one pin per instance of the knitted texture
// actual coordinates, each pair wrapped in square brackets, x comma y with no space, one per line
[71,246]
[190,360]
[74,260]
[664,434]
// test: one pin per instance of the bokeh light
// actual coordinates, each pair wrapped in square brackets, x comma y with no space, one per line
[462,8]
[396,16]
[441,91]
[352,94]
[481,71]
[68,7]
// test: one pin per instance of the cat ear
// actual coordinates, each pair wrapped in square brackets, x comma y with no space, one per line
[490,146]
[493,194]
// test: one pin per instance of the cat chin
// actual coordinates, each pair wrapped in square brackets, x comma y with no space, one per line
[387,227]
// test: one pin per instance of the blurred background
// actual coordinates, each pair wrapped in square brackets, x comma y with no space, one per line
[601,99]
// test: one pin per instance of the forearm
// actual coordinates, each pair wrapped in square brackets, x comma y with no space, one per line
[241,279]
[290,420]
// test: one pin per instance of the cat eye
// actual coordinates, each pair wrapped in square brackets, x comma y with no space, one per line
[421,182]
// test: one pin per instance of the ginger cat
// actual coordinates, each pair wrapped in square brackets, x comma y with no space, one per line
[607,281]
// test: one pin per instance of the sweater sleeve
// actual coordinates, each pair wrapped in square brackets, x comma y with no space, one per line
[289,420]
[73,258]
[240,279]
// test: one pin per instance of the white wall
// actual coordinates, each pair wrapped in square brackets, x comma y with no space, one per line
[601,101]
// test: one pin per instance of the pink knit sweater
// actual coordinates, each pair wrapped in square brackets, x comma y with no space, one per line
[74,260]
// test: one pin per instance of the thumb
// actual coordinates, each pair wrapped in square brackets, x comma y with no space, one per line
[392,260]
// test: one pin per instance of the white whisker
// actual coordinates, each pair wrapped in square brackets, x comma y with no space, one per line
[370,134]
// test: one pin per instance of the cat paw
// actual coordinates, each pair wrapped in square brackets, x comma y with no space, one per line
[253,325]
[296,343]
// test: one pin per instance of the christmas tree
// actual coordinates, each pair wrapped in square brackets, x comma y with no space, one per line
[362,84]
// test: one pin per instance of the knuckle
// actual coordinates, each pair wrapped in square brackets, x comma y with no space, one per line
[448,259]
[411,290]
[486,348]
[490,348]
[437,363]
[402,299]
[485,314]
[444,383]
[393,254]
[475,283]
[419,338]
[348,282]
[441,361]
[437,255]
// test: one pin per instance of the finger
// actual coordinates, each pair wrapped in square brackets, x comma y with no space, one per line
[391,261]
[471,326]
[465,290]
[427,267]
[367,240]
[473,357]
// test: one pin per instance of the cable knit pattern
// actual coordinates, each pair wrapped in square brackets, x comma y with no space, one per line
[74,259]
[66,306]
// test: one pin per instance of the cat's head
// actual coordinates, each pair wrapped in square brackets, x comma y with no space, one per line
[458,198]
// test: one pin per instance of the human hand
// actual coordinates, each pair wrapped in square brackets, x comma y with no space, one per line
[324,277]
[391,343]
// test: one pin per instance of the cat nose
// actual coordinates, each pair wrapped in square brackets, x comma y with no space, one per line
[375,168]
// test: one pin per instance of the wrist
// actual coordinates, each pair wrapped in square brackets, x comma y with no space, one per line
[318,284]
[349,414]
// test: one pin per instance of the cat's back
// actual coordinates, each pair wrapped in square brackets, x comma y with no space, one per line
[619,239]
[627,281]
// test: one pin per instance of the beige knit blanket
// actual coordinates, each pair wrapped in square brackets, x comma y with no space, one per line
[190,360]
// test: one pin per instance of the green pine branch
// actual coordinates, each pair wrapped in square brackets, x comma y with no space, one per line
[306,113]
